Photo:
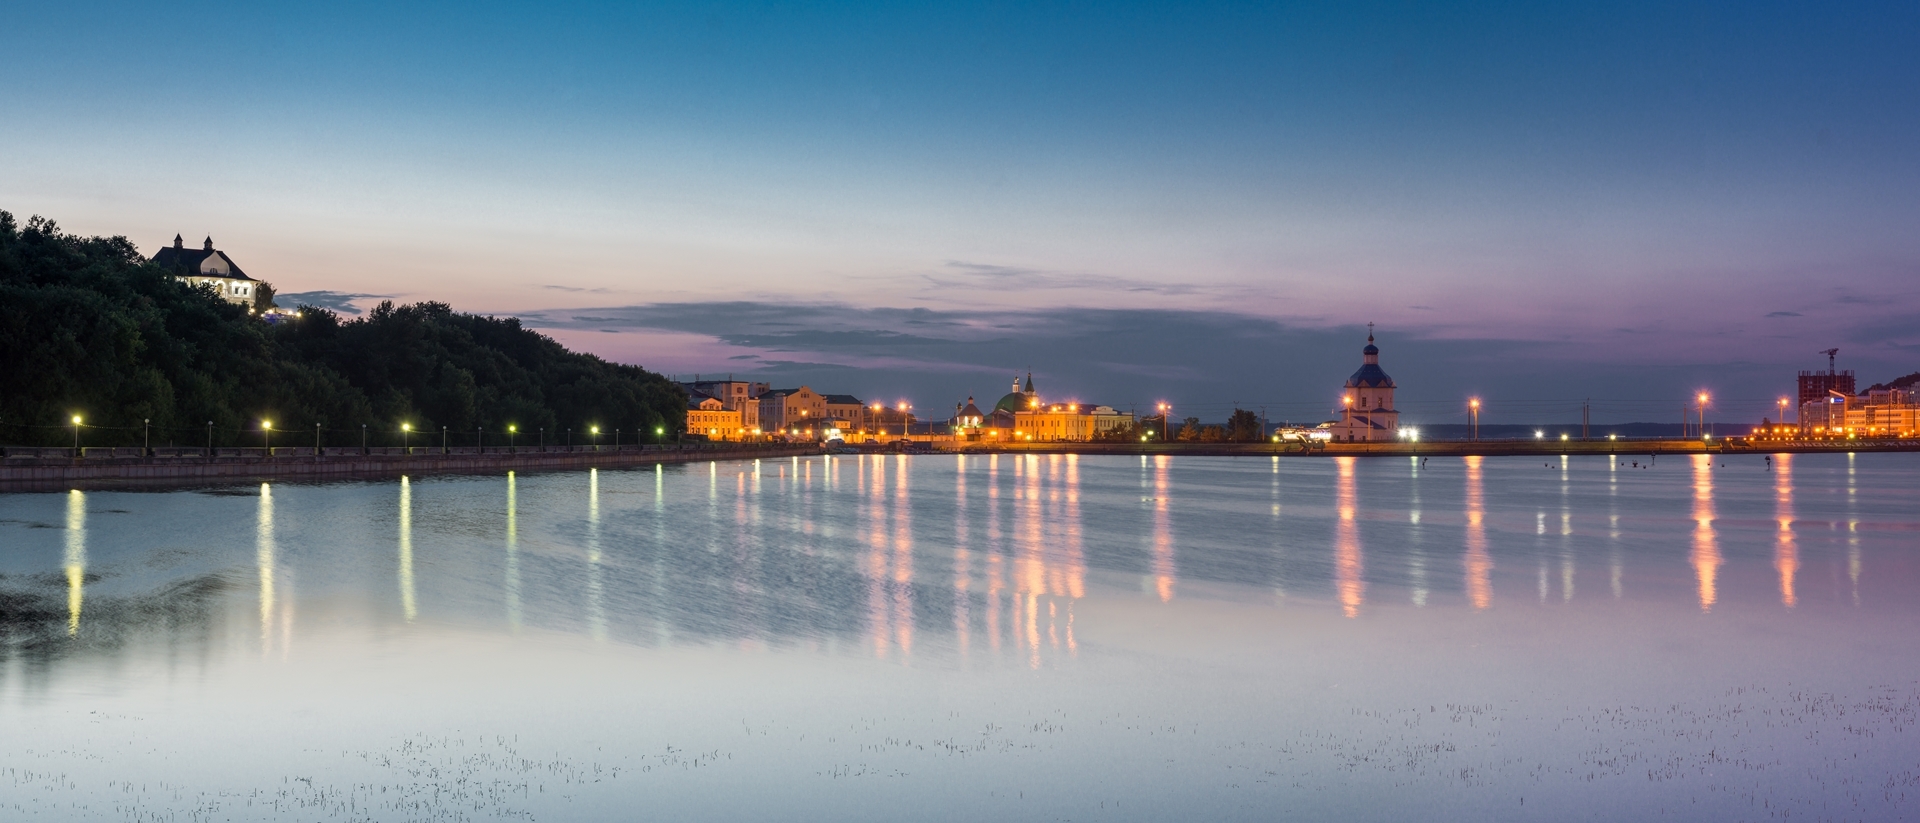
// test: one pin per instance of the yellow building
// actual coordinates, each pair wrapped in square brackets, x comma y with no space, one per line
[707,415]
[1065,421]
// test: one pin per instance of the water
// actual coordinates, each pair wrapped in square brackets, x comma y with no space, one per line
[1011,637]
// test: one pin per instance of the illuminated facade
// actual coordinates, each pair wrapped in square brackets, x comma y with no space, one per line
[707,415]
[1880,412]
[1367,413]
[1066,421]
[734,395]
[789,409]
[208,266]
[847,412]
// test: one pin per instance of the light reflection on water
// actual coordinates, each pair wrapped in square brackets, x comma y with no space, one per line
[1274,610]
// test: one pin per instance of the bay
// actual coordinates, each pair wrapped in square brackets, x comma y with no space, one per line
[956,637]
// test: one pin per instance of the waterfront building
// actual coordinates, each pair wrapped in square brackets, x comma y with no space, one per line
[707,415]
[1013,402]
[741,396]
[1066,421]
[208,266]
[847,412]
[1367,413]
[788,409]
[968,422]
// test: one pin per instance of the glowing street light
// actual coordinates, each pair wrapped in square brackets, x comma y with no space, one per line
[76,435]
[405,430]
[595,431]
[266,435]
[511,431]
[1539,435]
[1473,418]
[1165,409]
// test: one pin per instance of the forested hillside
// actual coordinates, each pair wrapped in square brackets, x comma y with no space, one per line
[89,328]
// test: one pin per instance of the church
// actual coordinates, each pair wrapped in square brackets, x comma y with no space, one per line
[1367,414]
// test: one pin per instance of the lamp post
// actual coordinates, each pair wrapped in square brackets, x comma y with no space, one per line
[1473,419]
[595,431]
[443,439]
[363,438]
[209,438]
[1703,414]
[1165,409]
[406,445]
[569,443]
[904,406]
[1783,412]
[479,440]
[76,435]
[316,440]
[146,436]
[543,438]
[266,436]
[511,431]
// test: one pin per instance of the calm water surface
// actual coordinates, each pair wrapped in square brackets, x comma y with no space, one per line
[1010,637]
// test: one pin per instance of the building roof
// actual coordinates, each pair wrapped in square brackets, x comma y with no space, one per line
[843,400]
[1370,376]
[194,261]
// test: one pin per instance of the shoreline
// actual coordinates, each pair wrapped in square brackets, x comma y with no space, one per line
[37,469]
[135,471]
[1451,448]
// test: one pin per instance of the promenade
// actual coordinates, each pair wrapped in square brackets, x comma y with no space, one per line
[1454,448]
[50,468]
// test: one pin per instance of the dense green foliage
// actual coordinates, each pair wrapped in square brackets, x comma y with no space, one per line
[88,327]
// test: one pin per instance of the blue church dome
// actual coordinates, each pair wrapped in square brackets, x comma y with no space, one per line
[1370,376]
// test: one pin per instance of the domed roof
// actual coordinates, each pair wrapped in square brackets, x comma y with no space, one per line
[1371,348]
[1370,376]
[1013,402]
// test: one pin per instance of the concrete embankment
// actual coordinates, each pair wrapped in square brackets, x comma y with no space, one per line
[1495,448]
[115,470]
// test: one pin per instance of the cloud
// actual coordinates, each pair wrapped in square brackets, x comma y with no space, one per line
[1783,314]
[581,290]
[1208,361]
[341,302]
[960,274]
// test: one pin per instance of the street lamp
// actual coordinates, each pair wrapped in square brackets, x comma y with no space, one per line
[1164,410]
[596,437]
[405,430]
[511,431]
[76,435]
[1783,411]
[266,435]
[1473,419]
[1703,413]
[443,439]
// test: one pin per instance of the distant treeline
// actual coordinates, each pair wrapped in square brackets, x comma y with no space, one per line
[88,327]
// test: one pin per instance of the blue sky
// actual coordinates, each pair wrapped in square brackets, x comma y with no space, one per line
[1627,201]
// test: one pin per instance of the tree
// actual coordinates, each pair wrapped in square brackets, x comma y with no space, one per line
[1245,427]
[262,296]
[1191,430]
[88,327]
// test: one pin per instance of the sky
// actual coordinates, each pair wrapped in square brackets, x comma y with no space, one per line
[1540,205]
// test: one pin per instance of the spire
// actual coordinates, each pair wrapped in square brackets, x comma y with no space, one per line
[1369,332]
[177,241]
[209,242]
[1029,389]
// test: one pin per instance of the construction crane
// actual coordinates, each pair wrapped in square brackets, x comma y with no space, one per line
[1831,354]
